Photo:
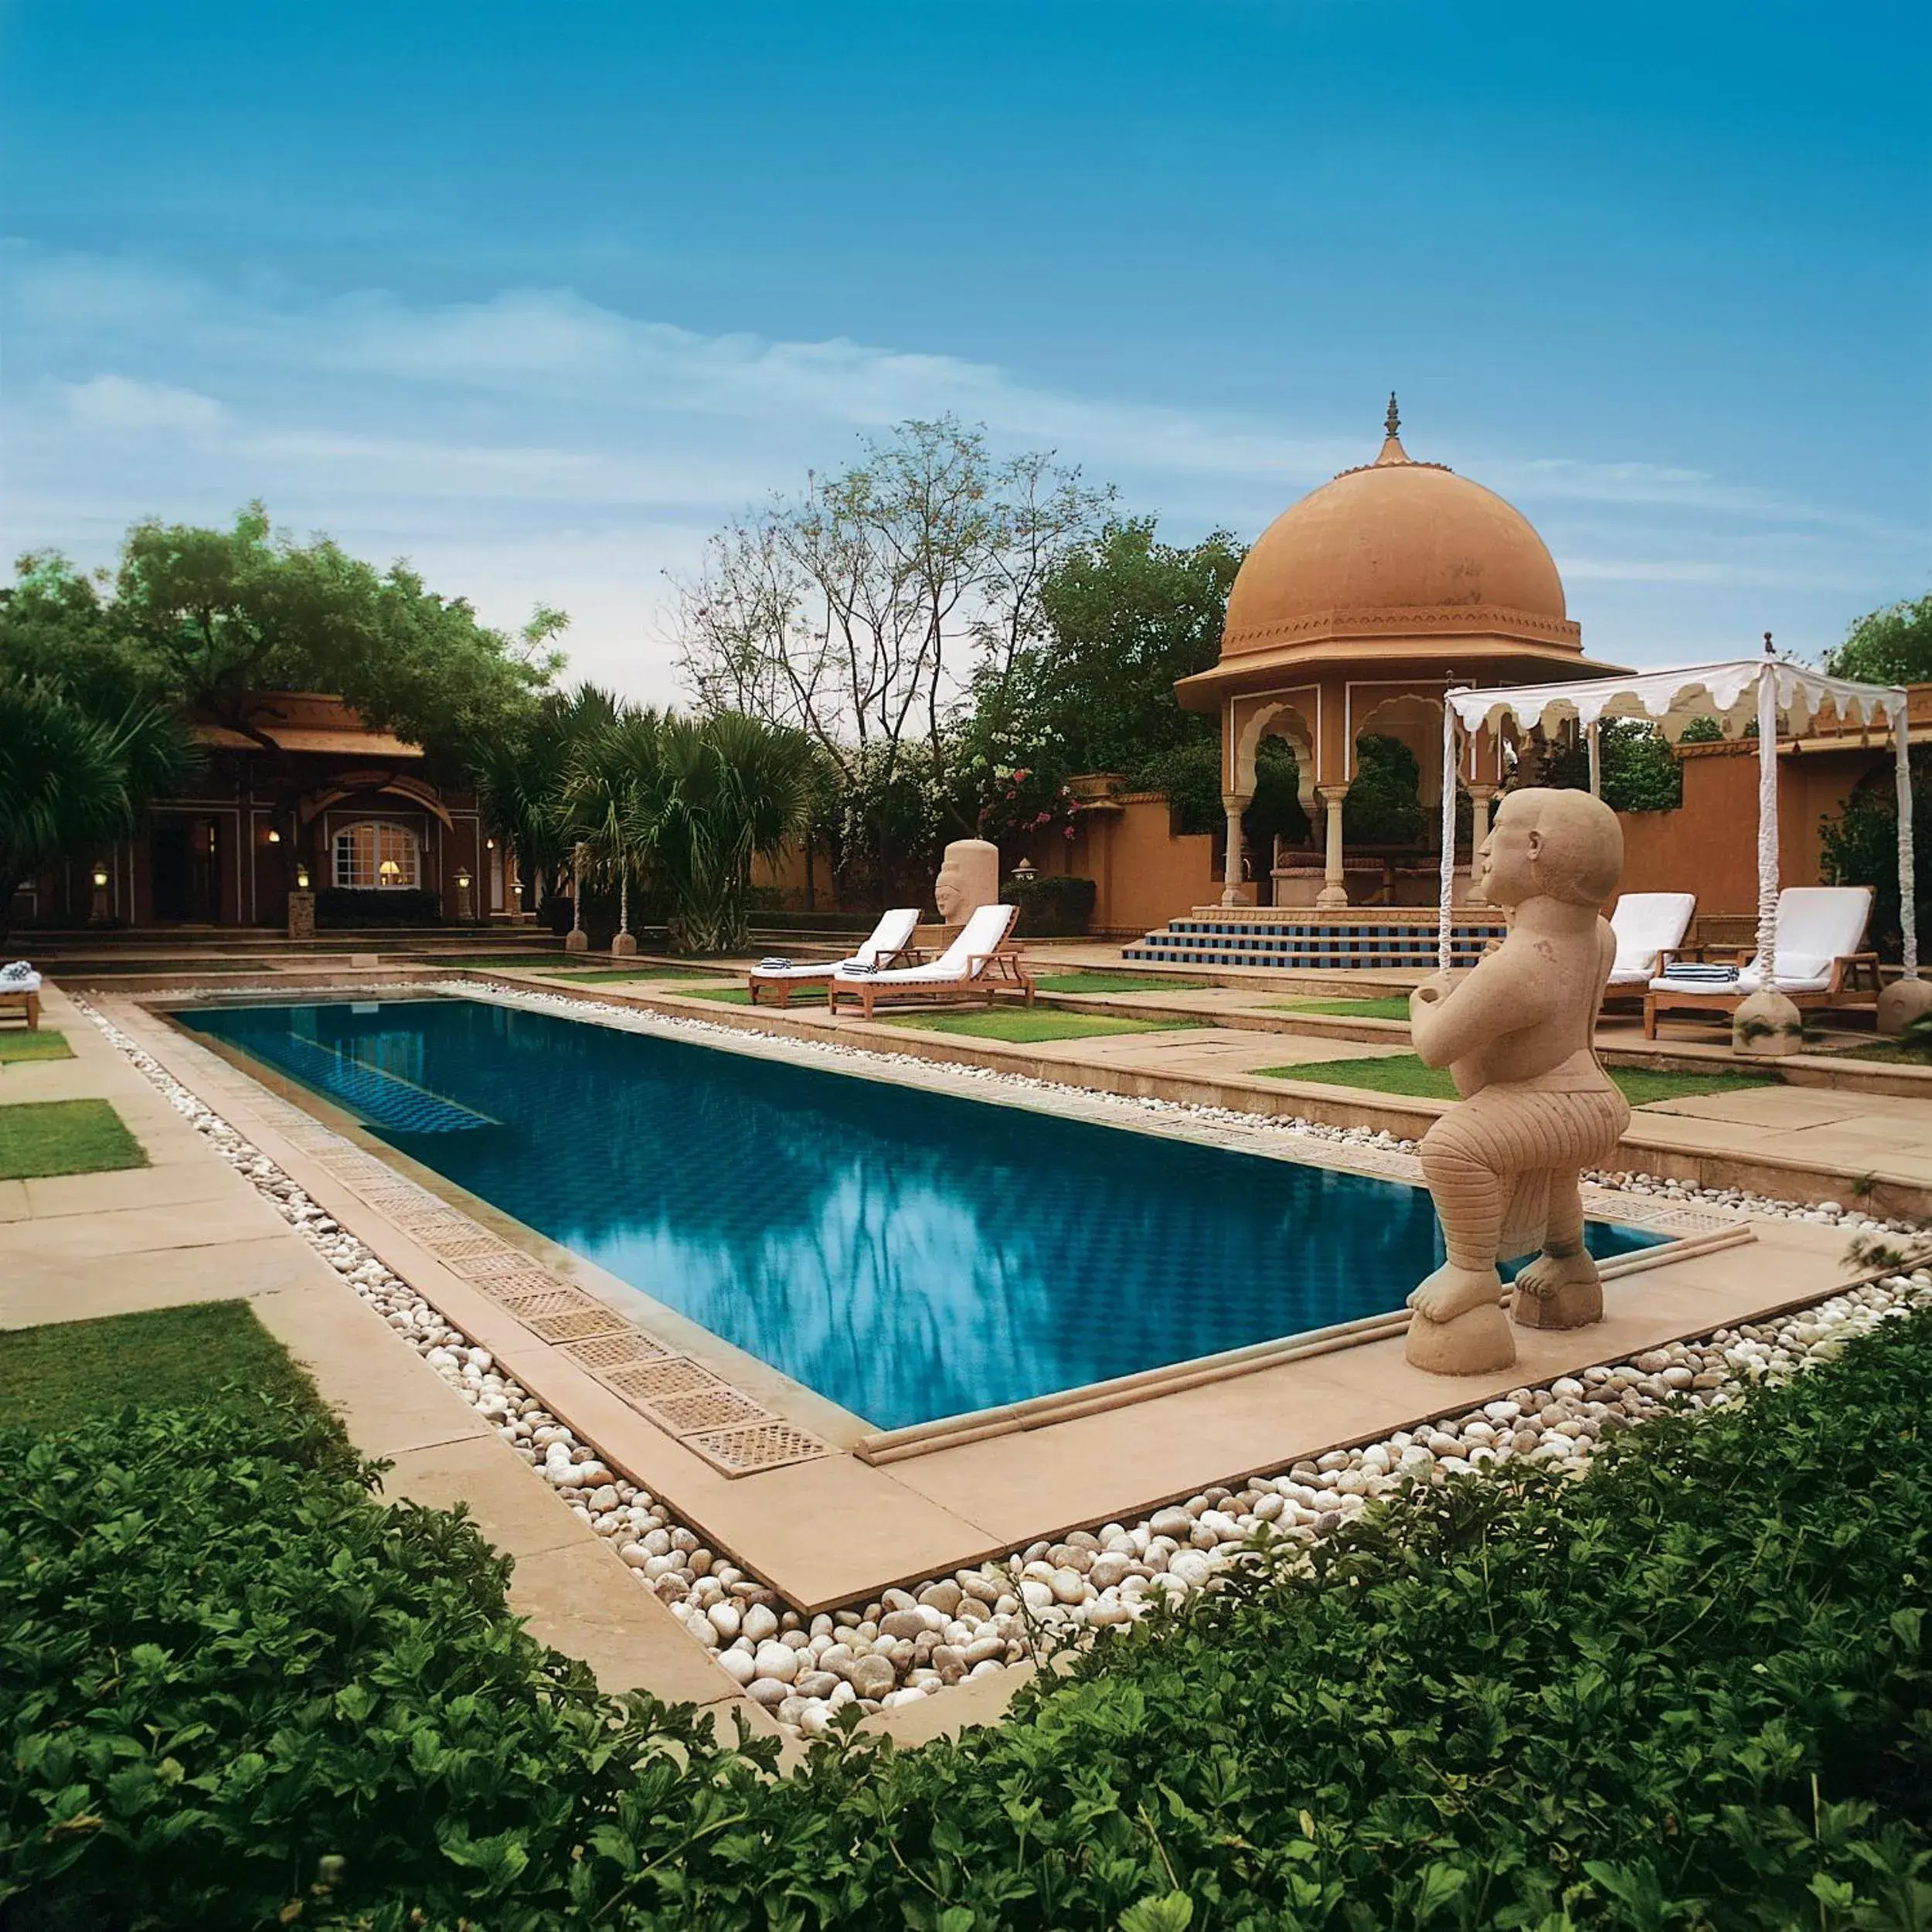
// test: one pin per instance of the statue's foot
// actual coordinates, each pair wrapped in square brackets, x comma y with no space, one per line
[1460,1328]
[1558,1291]
[1453,1291]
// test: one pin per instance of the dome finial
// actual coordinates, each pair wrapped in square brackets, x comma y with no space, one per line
[1391,449]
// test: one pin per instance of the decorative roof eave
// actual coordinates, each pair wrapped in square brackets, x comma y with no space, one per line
[1431,666]
[1428,620]
[1727,691]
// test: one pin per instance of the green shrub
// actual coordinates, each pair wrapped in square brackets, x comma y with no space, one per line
[1052,905]
[1690,1690]
[350,906]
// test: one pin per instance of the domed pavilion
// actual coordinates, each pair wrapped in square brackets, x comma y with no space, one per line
[1357,607]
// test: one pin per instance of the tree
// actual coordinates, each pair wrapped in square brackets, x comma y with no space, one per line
[226,616]
[1640,772]
[864,613]
[521,775]
[72,779]
[1125,615]
[1889,646]
[1860,847]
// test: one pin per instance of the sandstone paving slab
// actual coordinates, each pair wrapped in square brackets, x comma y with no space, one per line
[13,1200]
[579,1599]
[1787,1109]
[58,1285]
[178,1186]
[519,1511]
[48,1239]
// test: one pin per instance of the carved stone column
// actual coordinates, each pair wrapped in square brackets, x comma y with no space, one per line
[1335,884]
[1234,804]
[1479,798]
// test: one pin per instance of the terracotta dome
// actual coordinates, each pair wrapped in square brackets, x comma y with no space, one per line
[1396,546]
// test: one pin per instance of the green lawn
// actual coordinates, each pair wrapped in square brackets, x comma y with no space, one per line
[1115,983]
[1394,1007]
[734,995]
[45,1045]
[612,975]
[42,1137]
[1405,1073]
[209,1354]
[529,962]
[1021,1028]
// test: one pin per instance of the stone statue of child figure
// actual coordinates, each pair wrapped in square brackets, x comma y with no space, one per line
[968,878]
[1516,1034]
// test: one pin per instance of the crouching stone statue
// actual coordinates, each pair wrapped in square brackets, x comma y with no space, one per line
[1516,1033]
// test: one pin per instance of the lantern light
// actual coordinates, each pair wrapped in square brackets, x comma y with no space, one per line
[301,878]
[101,876]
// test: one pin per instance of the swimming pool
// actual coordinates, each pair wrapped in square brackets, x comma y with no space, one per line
[907,1254]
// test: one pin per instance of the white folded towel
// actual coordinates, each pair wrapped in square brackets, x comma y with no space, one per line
[774,965]
[17,972]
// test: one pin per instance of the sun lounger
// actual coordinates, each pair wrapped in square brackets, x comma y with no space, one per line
[20,992]
[1647,925]
[982,958]
[887,947]
[1821,960]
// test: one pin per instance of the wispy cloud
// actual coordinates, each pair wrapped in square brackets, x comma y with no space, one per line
[484,438]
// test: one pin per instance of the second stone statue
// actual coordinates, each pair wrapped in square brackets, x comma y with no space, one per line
[1517,1033]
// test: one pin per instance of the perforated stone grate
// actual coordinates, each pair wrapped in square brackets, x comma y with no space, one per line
[707,1409]
[553,1298]
[611,1351]
[651,1381]
[511,1284]
[573,1326]
[457,1243]
[746,1450]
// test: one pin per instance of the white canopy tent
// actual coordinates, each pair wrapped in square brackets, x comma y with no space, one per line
[1769,691]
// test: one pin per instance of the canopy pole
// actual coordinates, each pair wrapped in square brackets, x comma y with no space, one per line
[1445,911]
[1596,760]
[1767,827]
[1908,893]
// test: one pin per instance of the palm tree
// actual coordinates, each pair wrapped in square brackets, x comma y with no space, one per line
[520,778]
[727,789]
[596,810]
[72,779]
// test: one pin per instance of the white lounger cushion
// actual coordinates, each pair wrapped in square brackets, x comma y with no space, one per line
[1816,926]
[982,934]
[1646,924]
[890,936]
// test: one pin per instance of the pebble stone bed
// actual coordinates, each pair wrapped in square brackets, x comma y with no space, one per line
[908,1645]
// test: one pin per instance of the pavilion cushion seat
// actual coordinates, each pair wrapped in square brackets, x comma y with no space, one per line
[1647,926]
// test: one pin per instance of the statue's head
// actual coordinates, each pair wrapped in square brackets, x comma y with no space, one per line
[1552,844]
[968,878]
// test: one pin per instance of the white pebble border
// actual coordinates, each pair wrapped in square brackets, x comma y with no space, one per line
[909,1643]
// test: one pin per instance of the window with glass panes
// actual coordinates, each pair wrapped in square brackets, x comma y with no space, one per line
[375,855]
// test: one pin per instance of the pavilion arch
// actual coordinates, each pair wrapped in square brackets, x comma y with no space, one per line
[1415,721]
[1289,723]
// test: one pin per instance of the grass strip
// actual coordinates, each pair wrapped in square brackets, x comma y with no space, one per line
[1022,1028]
[1116,983]
[47,1044]
[38,1138]
[213,1354]
[1405,1073]
[614,975]
[1392,1007]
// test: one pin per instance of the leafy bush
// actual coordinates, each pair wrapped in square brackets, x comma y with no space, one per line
[340,905]
[1052,905]
[1860,847]
[1690,1690]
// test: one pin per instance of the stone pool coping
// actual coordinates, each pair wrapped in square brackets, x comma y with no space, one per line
[832,1530]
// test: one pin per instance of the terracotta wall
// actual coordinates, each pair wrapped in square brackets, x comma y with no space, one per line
[1709,845]
[1143,873]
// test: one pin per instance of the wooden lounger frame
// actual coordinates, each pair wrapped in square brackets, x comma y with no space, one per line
[786,984]
[1844,990]
[992,972]
[29,1002]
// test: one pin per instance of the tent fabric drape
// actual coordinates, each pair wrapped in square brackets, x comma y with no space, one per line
[1768,692]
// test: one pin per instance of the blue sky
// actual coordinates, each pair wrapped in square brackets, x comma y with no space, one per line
[539,297]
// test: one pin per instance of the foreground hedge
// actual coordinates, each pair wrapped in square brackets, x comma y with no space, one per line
[1690,1690]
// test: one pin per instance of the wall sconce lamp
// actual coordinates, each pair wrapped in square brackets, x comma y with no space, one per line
[274,837]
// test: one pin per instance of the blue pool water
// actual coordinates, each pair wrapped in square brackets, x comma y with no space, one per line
[906,1255]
